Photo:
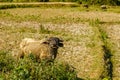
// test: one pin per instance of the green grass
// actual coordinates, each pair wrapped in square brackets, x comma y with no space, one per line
[37,4]
[27,68]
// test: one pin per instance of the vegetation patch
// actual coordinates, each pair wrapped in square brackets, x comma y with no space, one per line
[28,69]
[26,5]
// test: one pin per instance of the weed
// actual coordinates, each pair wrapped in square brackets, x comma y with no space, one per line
[94,22]
[43,30]
[28,69]
[6,62]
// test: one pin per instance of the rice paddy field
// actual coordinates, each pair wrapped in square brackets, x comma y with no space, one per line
[91,36]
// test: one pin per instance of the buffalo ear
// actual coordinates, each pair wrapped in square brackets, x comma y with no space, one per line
[45,42]
[60,45]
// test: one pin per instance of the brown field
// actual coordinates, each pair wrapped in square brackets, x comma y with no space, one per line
[78,27]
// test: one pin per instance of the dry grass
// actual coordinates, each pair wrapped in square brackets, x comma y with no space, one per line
[58,15]
[83,46]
